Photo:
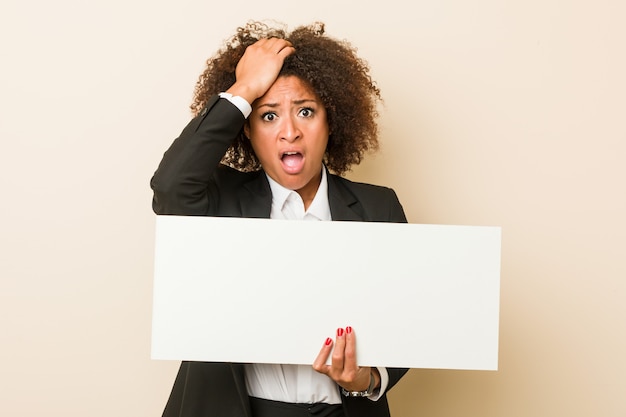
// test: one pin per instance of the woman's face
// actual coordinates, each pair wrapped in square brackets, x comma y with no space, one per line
[288,131]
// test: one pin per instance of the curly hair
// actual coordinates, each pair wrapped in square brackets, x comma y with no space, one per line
[339,77]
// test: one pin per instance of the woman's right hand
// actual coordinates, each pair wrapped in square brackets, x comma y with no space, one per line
[259,67]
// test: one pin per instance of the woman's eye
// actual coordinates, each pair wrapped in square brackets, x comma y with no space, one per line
[306,112]
[268,117]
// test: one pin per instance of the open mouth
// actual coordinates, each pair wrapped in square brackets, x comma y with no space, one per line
[292,161]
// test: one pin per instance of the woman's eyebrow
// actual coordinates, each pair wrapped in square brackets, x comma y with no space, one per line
[296,102]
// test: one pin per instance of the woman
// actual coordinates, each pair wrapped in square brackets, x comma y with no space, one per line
[278,117]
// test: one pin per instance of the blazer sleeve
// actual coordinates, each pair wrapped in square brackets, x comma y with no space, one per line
[183,183]
[394,375]
[396,211]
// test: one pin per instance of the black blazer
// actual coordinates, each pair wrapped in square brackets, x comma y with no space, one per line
[191,181]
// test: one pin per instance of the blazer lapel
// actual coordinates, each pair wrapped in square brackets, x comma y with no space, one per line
[256,197]
[343,204]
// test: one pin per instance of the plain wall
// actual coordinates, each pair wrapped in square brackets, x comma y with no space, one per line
[496,113]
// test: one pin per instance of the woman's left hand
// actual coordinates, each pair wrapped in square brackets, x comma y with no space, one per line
[343,368]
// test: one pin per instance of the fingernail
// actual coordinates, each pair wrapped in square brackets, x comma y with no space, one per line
[340,332]
[348,329]
[328,341]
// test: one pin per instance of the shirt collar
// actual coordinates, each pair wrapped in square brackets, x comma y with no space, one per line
[320,206]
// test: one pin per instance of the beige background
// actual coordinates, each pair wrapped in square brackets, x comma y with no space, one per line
[497,113]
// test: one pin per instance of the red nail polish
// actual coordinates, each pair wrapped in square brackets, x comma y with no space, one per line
[328,341]
[348,329]
[340,332]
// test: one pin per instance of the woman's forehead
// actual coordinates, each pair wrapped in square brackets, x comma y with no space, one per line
[288,88]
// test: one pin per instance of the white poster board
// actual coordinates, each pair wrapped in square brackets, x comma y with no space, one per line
[272,291]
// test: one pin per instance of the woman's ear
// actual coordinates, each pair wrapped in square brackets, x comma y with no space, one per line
[246,129]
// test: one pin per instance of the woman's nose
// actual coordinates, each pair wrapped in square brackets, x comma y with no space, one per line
[290,130]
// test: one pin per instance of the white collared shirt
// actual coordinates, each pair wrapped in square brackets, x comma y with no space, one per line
[288,205]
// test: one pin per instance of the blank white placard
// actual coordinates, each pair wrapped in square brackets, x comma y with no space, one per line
[272,291]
